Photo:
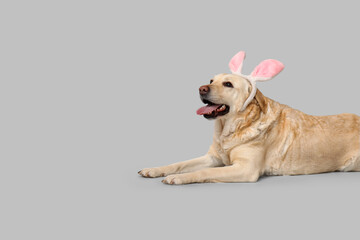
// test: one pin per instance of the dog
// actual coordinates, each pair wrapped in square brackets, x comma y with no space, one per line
[255,135]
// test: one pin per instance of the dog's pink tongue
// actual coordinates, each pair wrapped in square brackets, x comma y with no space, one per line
[207,109]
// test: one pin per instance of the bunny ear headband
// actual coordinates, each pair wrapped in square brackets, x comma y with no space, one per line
[265,71]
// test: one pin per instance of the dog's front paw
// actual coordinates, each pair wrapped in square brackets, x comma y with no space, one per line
[173,180]
[151,172]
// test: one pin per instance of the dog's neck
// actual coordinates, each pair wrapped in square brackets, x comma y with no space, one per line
[248,124]
[228,126]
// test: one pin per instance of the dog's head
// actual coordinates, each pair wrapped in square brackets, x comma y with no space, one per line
[231,93]
[225,94]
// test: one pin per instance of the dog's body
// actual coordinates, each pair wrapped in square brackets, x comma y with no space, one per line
[267,138]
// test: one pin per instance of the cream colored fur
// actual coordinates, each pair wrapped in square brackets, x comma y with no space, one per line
[267,138]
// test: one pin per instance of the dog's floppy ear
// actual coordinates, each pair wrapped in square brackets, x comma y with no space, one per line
[236,62]
[259,97]
[267,69]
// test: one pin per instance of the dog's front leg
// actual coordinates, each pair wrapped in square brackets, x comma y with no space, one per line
[233,173]
[246,167]
[182,167]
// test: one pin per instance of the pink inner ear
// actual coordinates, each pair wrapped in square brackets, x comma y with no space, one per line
[268,68]
[236,62]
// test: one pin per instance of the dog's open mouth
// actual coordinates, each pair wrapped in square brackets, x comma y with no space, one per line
[212,110]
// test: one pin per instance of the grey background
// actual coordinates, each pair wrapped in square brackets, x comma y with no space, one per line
[93,91]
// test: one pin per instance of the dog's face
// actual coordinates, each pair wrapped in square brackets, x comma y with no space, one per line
[224,96]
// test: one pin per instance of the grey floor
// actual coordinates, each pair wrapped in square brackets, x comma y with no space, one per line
[290,207]
[93,91]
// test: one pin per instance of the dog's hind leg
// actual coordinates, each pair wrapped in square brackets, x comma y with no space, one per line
[357,165]
[352,165]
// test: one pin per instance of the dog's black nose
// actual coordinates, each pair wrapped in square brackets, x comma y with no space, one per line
[204,90]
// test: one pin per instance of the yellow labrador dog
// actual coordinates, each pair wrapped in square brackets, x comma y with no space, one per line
[255,135]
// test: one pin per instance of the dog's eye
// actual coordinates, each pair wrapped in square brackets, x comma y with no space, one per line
[211,81]
[227,84]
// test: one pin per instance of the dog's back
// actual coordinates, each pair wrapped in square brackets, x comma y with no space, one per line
[305,144]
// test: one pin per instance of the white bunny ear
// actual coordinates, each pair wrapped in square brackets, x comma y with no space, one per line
[236,62]
[265,71]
